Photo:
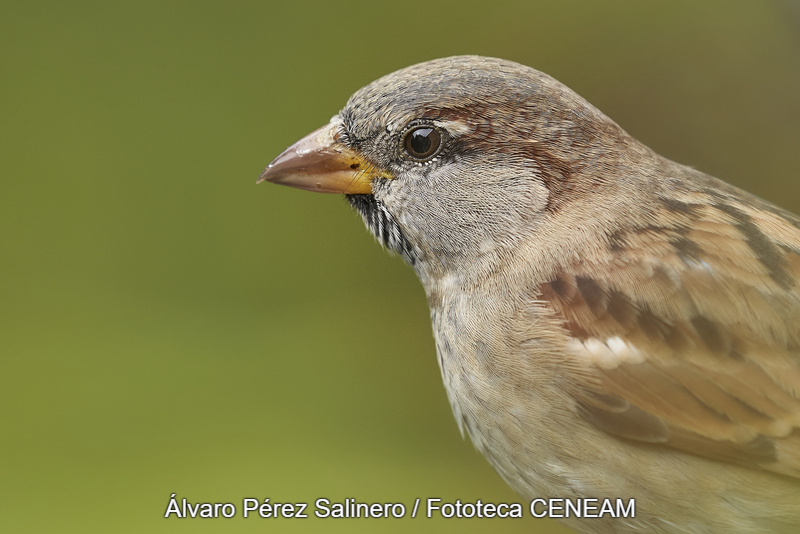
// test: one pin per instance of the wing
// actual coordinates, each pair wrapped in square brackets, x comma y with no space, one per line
[689,331]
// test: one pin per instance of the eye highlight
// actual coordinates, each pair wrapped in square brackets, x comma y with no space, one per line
[422,143]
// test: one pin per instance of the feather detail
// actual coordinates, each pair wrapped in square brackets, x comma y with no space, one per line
[691,327]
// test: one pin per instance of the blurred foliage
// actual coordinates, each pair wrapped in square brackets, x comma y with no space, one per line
[169,327]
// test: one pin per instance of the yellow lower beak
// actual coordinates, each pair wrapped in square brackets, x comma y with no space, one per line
[318,162]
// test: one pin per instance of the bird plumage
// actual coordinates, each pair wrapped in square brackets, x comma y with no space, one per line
[608,323]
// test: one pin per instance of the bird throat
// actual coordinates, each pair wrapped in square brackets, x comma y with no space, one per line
[383,226]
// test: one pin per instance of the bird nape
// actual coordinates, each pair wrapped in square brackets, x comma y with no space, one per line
[609,324]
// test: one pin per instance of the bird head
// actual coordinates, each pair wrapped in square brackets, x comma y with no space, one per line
[453,162]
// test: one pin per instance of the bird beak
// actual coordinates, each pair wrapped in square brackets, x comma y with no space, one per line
[318,162]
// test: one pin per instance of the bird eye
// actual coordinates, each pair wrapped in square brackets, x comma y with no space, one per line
[422,143]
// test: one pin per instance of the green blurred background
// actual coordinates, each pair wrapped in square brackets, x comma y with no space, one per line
[170,327]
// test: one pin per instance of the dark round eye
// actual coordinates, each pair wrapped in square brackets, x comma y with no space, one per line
[422,143]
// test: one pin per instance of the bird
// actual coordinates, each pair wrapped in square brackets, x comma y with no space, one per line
[608,323]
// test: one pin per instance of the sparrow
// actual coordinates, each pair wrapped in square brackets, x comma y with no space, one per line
[608,323]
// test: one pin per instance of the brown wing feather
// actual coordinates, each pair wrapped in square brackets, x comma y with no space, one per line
[691,331]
